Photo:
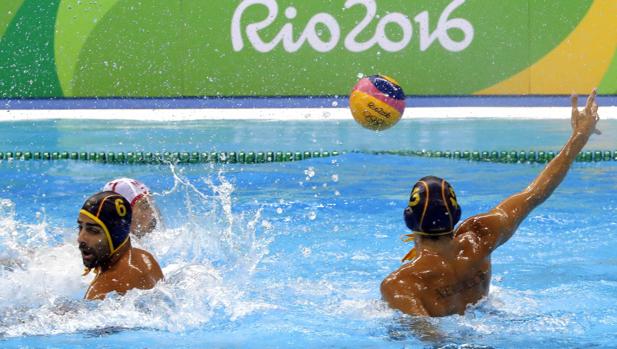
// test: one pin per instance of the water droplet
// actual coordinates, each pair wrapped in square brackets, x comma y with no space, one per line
[310,172]
[312,215]
[279,210]
[334,178]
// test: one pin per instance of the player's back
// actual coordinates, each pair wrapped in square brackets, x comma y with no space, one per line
[442,282]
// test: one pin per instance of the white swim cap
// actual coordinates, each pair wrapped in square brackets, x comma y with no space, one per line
[131,189]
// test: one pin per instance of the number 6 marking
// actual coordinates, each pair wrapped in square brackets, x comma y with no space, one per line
[120,208]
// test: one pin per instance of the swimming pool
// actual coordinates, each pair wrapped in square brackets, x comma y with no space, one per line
[292,254]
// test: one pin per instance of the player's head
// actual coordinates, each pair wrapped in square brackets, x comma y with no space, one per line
[104,223]
[432,209]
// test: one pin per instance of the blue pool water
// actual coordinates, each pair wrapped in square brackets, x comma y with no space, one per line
[292,254]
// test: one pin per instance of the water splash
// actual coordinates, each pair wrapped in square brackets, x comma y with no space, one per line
[208,262]
[17,238]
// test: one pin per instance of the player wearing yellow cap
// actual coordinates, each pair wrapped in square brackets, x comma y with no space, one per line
[104,223]
[450,266]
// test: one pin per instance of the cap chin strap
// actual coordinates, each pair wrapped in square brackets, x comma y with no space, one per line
[97,270]
[88,270]
[411,255]
[432,234]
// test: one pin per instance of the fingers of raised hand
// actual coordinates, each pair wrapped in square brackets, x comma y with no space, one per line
[574,99]
[591,100]
[594,109]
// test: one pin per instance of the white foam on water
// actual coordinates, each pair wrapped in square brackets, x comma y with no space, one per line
[363,309]
[509,312]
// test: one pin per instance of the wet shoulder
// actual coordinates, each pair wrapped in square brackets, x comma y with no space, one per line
[469,240]
[144,259]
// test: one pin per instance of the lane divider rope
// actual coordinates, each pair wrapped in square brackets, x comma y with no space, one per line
[512,156]
[241,157]
[165,157]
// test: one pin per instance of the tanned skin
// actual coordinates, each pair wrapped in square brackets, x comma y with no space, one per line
[126,269]
[453,271]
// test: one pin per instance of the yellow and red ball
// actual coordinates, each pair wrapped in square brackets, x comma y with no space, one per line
[377,102]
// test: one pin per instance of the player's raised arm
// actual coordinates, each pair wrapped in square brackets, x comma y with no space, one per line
[501,222]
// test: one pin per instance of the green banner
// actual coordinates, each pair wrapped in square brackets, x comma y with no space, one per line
[170,48]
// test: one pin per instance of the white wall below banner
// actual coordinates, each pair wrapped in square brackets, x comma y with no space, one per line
[292,114]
